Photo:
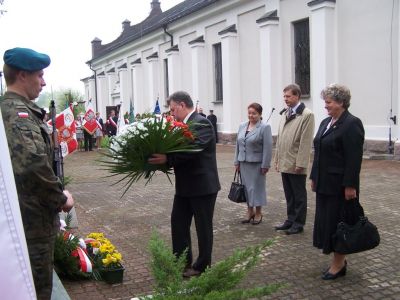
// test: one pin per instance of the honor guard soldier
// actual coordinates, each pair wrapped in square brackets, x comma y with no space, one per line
[40,192]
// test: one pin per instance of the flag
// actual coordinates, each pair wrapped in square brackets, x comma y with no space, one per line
[131,114]
[89,120]
[157,110]
[66,131]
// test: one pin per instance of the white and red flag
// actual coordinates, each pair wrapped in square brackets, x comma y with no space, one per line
[66,131]
[89,123]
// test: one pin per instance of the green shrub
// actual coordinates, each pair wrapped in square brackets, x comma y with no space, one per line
[216,283]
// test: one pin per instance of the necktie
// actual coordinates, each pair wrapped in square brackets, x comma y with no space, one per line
[289,112]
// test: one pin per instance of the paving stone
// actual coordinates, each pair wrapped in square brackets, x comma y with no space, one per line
[128,222]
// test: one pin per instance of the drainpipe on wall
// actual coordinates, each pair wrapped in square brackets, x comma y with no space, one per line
[170,35]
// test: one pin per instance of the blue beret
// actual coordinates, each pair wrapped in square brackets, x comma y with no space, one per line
[26,59]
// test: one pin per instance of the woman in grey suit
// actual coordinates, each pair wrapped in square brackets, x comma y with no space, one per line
[253,160]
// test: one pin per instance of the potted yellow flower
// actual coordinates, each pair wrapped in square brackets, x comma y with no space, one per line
[106,259]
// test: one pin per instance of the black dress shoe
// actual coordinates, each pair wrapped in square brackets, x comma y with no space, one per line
[327,269]
[191,272]
[294,230]
[330,276]
[284,226]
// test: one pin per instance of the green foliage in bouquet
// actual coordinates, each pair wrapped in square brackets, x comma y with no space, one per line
[216,283]
[65,264]
[129,152]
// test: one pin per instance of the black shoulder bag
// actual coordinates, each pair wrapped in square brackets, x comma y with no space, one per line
[237,192]
[361,236]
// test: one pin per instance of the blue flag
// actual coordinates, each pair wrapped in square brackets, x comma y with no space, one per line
[157,110]
[131,114]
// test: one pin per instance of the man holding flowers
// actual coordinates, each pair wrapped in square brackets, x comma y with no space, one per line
[196,185]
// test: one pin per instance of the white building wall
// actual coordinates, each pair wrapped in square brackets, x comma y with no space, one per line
[147,101]
[198,74]
[323,51]
[249,58]
[290,11]
[102,95]
[162,55]
[137,80]
[185,55]
[211,37]
[360,48]
[124,81]
[365,61]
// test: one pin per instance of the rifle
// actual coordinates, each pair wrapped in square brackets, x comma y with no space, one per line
[58,163]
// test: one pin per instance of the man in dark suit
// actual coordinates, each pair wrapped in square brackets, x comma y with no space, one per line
[213,120]
[196,186]
[201,112]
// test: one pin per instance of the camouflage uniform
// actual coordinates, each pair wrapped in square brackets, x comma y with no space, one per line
[39,190]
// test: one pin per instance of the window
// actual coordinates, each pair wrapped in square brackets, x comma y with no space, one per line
[166,85]
[218,72]
[302,55]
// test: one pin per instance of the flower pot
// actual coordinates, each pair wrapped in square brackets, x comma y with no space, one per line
[113,275]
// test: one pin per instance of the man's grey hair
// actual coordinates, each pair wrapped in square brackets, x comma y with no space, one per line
[179,97]
[338,93]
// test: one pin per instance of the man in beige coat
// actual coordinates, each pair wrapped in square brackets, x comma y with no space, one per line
[293,148]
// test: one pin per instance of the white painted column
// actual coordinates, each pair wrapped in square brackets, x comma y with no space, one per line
[231,82]
[124,88]
[270,59]
[138,101]
[199,80]
[323,52]
[92,89]
[153,80]
[102,94]
[112,79]
[174,69]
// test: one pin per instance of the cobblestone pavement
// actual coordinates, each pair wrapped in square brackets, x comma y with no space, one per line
[128,223]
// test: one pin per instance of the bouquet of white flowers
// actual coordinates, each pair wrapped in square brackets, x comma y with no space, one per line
[131,149]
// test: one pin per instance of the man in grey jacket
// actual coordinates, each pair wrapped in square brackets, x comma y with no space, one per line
[293,148]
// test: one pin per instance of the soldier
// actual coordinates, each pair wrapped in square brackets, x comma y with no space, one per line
[39,190]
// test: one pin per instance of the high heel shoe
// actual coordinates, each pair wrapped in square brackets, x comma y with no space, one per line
[254,222]
[330,276]
[245,221]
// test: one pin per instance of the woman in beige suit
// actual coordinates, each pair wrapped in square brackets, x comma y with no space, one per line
[253,160]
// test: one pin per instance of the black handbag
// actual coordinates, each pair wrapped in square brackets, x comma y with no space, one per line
[237,192]
[361,236]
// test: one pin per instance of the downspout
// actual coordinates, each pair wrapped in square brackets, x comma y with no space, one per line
[170,35]
[95,84]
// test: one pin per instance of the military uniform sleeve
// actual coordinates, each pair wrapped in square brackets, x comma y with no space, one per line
[30,153]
